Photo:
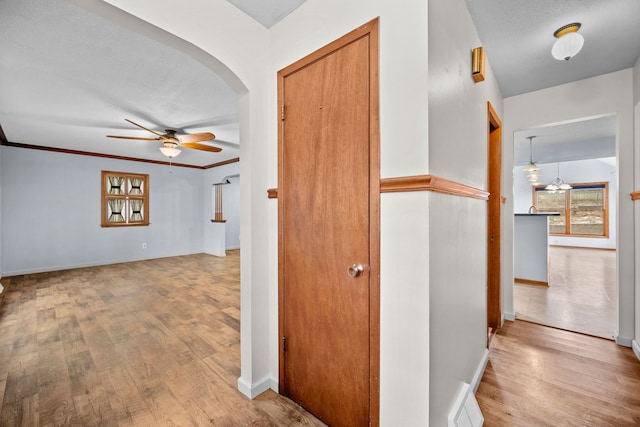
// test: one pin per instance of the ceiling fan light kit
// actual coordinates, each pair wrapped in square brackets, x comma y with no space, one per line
[568,43]
[170,149]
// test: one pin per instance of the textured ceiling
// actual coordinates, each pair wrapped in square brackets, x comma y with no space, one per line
[69,76]
[267,12]
[518,34]
[585,139]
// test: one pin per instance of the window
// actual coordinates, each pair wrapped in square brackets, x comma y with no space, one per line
[125,199]
[583,209]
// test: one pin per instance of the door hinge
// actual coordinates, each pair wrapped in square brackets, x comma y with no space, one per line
[282,113]
[284,344]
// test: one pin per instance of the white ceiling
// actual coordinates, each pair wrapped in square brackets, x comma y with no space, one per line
[592,138]
[69,77]
[518,34]
[267,12]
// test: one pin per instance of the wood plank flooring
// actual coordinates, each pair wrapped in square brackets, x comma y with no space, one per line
[150,343]
[156,343]
[542,376]
[581,295]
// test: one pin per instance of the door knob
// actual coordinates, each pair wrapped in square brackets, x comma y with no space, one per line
[355,270]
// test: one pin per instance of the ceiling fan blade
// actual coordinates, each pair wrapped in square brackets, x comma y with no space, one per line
[142,127]
[202,147]
[197,137]
[133,137]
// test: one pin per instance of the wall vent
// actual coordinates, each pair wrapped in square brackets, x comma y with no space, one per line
[466,412]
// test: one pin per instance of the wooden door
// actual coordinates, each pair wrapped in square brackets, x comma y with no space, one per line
[494,290]
[328,195]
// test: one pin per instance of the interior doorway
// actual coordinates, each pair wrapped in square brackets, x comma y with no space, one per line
[582,242]
[494,167]
[581,296]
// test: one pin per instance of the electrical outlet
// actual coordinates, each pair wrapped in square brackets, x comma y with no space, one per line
[144,246]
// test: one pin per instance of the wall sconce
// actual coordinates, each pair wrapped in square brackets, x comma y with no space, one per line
[477,64]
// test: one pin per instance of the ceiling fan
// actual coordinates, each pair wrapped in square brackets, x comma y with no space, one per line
[171,141]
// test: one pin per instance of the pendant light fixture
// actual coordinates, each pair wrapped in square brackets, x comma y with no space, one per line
[532,168]
[558,184]
[569,42]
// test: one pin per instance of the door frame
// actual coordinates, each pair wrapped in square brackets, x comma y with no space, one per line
[370,29]
[494,220]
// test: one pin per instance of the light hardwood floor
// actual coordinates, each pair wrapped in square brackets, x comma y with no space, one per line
[581,295]
[156,343]
[542,376]
[151,343]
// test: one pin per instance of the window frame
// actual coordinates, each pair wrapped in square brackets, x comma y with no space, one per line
[567,209]
[127,197]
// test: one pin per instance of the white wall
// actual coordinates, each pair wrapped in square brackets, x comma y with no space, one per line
[404,311]
[578,171]
[51,209]
[219,237]
[458,226]
[603,95]
[1,155]
[636,82]
[636,103]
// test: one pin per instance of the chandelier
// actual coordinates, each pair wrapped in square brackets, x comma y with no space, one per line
[558,184]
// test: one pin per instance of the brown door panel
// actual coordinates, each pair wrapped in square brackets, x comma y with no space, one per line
[324,209]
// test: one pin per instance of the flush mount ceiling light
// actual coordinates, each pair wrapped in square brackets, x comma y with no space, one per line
[532,168]
[170,149]
[558,184]
[569,42]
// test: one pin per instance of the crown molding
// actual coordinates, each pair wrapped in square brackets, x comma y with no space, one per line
[6,143]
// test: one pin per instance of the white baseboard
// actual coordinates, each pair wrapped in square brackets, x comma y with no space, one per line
[636,348]
[477,376]
[256,389]
[91,264]
[623,341]
[510,316]
[218,254]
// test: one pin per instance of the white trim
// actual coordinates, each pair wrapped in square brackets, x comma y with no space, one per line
[510,316]
[623,341]
[477,376]
[256,389]
[218,254]
[466,411]
[636,348]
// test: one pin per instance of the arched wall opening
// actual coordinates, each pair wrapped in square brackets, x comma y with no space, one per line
[224,39]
